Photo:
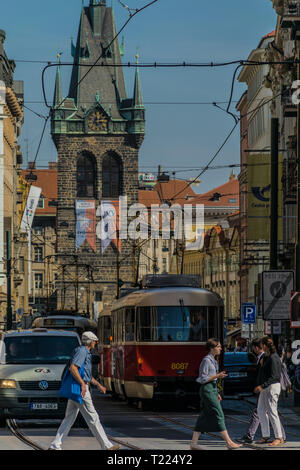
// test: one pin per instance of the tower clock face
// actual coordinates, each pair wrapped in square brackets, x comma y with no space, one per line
[97,122]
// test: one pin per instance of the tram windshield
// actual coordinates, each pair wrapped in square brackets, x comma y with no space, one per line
[178,323]
[39,349]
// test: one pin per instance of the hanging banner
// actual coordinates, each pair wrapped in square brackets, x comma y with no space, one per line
[108,230]
[85,223]
[30,208]
[259,196]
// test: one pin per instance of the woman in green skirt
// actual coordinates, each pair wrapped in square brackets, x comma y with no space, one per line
[211,417]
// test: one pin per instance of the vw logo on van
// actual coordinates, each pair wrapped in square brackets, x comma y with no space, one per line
[43,385]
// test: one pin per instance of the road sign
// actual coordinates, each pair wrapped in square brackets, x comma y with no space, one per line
[248,313]
[276,289]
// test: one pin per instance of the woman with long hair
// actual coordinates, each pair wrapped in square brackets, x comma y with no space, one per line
[269,392]
[211,417]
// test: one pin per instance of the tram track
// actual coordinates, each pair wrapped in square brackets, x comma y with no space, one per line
[18,433]
[187,426]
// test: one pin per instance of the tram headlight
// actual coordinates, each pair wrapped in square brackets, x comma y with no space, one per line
[7,383]
[140,362]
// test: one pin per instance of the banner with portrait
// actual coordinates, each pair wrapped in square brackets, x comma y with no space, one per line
[109,227]
[85,223]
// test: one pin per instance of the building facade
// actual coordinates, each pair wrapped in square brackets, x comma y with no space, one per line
[217,260]
[11,120]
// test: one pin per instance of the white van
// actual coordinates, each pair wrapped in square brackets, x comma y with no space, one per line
[32,362]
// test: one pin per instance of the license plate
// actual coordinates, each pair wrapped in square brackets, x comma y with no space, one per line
[237,374]
[44,406]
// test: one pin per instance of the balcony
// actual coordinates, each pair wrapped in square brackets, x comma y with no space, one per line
[289,108]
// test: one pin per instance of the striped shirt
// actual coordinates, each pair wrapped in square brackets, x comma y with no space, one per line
[208,368]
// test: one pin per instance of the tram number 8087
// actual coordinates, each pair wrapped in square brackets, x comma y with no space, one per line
[179,365]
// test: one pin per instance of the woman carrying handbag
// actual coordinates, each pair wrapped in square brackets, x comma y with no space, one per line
[211,417]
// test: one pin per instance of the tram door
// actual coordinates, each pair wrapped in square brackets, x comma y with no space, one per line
[117,351]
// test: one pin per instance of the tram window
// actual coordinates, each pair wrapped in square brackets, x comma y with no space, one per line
[173,324]
[129,324]
[114,326]
[120,325]
[212,322]
[105,330]
[144,324]
[177,323]
[198,327]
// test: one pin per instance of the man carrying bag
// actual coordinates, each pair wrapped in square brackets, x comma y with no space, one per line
[76,387]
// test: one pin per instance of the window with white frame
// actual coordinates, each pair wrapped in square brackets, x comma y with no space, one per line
[38,253]
[38,280]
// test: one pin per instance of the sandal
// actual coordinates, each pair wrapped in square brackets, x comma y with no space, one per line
[276,442]
[235,447]
[263,440]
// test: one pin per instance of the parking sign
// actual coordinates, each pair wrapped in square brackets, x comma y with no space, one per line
[248,313]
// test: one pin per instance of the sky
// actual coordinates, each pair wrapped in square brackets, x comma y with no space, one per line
[181,135]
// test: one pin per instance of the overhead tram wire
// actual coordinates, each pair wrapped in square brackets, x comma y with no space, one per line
[222,145]
[151,65]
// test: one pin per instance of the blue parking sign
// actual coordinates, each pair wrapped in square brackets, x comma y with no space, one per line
[248,313]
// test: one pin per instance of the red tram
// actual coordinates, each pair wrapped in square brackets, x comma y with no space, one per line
[153,339]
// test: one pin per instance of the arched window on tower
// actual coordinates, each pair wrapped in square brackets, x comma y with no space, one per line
[86,175]
[111,176]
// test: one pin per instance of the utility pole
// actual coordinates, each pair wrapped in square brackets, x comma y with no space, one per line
[76,284]
[8,277]
[274,202]
[297,251]
[274,195]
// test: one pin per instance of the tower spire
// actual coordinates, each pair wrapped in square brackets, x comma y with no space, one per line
[58,88]
[137,94]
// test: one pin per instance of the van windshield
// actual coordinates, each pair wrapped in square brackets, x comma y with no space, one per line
[38,349]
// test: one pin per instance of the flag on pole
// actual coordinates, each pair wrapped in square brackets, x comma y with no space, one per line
[30,208]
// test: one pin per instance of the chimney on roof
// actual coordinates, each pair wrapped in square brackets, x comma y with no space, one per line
[31,166]
[52,165]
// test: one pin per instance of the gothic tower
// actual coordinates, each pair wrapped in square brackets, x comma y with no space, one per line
[97,131]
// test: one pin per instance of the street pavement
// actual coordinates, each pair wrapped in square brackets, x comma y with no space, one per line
[165,428]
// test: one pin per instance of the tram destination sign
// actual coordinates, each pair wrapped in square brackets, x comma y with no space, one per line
[276,294]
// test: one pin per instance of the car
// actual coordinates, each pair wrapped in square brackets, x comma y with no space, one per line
[242,370]
[30,373]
